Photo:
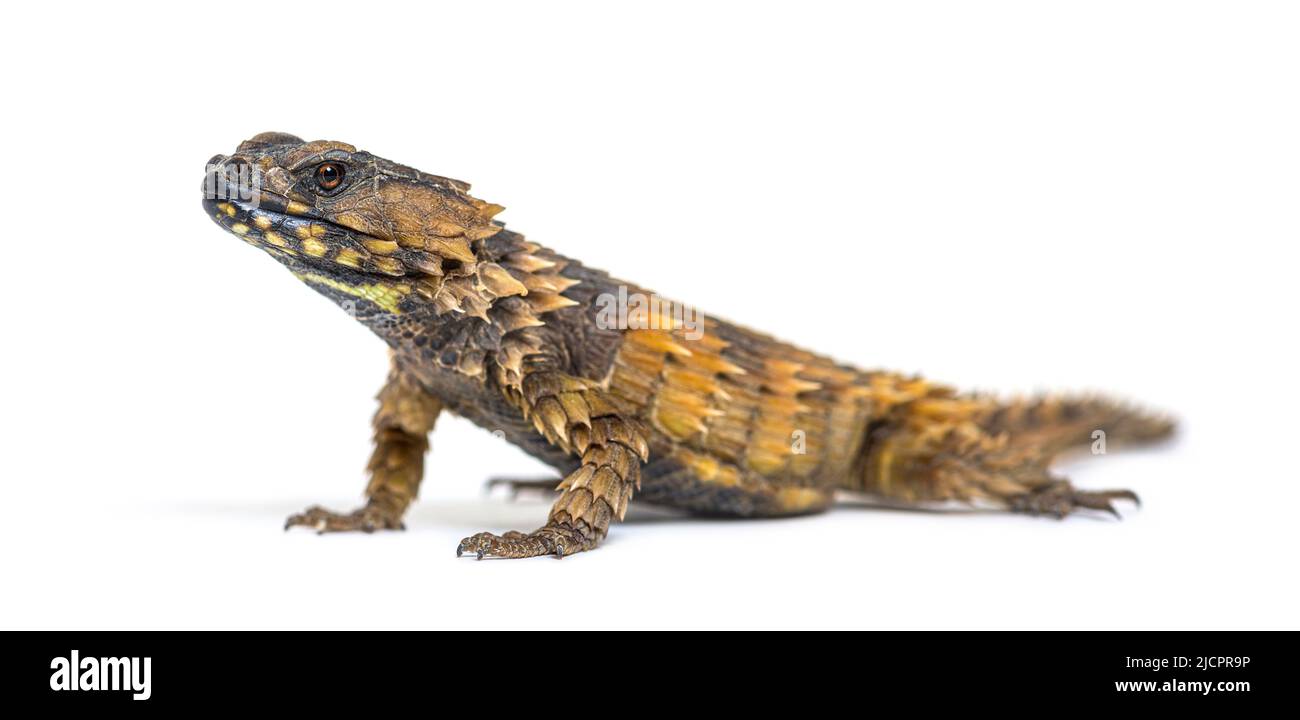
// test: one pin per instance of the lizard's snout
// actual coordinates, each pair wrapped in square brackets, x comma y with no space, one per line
[222,172]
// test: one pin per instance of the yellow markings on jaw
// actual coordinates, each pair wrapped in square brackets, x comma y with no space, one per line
[389,265]
[262,221]
[296,208]
[226,208]
[275,239]
[380,247]
[239,229]
[385,295]
[312,230]
[314,247]
[349,257]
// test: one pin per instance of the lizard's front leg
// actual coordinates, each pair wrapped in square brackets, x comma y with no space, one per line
[402,424]
[574,414]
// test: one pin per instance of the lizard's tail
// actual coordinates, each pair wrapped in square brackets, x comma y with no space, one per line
[976,449]
[1057,424]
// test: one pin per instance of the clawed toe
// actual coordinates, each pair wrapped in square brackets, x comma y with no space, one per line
[315,517]
[367,519]
[1060,499]
[551,540]
[479,544]
[1103,500]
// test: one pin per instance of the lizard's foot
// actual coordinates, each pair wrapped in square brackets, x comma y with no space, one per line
[517,486]
[1059,499]
[370,518]
[557,540]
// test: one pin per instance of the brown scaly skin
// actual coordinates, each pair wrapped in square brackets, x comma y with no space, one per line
[729,422]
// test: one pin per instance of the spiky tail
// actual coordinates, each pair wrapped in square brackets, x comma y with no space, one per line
[1057,424]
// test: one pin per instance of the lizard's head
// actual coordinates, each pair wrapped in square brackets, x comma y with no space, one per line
[362,229]
[330,206]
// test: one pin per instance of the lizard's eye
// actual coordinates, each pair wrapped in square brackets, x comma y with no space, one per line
[329,175]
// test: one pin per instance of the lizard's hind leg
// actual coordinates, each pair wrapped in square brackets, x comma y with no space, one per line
[915,462]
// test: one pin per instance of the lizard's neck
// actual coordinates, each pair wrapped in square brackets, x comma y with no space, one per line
[474,318]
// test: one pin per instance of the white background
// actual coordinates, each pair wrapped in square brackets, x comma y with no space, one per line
[1009,196]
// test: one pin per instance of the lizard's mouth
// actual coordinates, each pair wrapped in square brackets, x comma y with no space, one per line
[312,241]
[245,209]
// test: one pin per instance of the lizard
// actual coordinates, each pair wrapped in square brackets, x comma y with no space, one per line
[713,419]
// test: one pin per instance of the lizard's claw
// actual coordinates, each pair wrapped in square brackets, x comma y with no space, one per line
[1060,499]
[556,540]
[366,519]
